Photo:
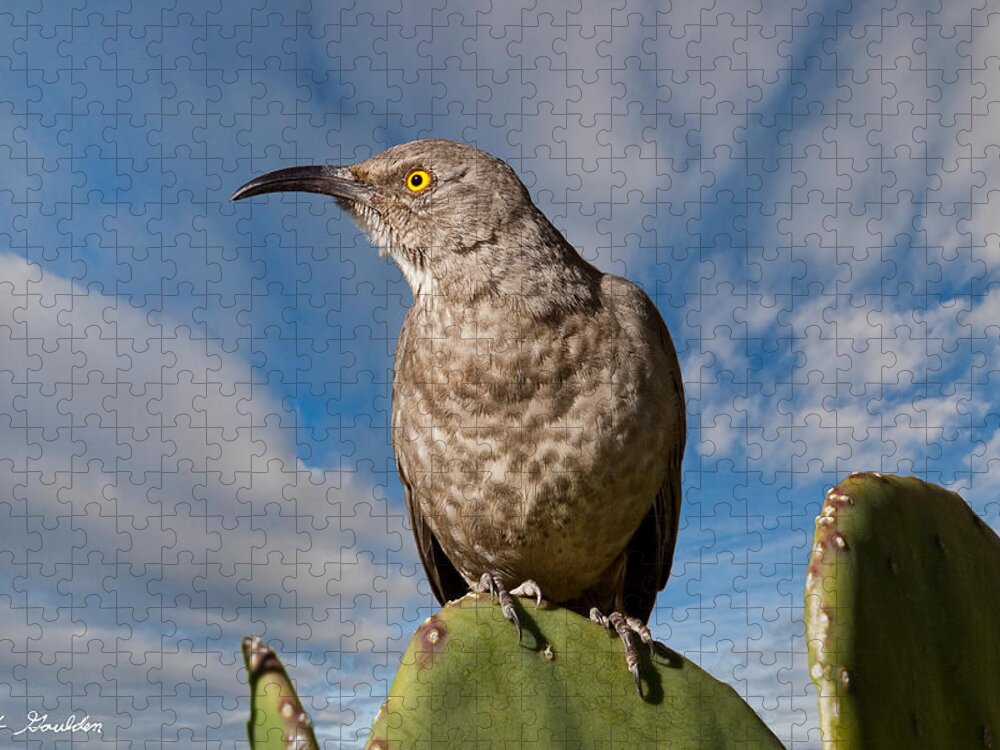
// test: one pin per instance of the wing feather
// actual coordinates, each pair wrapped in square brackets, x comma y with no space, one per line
[446,582]
[650,553]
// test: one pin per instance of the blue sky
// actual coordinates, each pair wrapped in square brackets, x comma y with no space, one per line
[194,395]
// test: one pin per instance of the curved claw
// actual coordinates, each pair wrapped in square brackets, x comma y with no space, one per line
[512,617]
[638,682]
[529,589]
[627,628]
[489,583]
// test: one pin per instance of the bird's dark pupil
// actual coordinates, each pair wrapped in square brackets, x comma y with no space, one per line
[416,180]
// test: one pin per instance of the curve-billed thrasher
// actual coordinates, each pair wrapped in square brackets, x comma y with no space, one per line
[538,410]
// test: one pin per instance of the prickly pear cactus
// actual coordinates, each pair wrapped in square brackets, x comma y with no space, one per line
[903,618]
[277,719]
[466,682]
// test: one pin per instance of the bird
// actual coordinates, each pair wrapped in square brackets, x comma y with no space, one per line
[538,412]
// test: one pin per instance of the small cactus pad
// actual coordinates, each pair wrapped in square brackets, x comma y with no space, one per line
[277,719]
[466,682]
[903,618]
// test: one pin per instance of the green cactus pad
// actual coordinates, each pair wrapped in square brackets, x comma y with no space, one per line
[903,618]
[277,719]
[466,682]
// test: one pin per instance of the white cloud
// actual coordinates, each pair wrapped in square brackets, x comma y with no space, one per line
[157,513]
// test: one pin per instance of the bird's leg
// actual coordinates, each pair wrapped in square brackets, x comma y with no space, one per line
[491,584]
[627,629]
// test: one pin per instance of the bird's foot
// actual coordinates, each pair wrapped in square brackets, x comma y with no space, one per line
[491,584]
[627,629]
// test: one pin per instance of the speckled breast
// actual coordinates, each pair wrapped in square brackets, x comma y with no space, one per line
[533,448]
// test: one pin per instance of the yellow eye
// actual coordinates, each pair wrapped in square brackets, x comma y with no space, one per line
[418,180]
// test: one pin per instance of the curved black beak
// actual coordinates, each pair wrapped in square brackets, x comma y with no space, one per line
[337,182]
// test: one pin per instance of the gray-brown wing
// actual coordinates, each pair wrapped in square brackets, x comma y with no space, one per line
[446,582]
[650,553]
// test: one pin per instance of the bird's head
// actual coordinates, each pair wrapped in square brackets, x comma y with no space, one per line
[432,205]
